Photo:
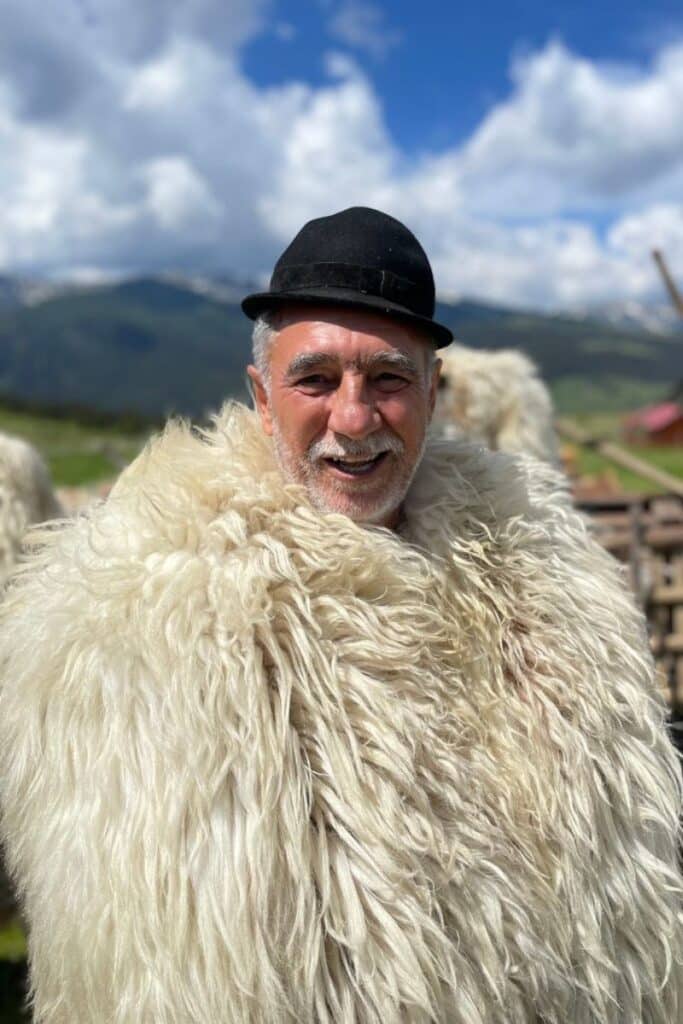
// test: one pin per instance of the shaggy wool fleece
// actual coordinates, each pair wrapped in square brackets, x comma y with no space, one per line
[26,497]
[497,398]
[262,765]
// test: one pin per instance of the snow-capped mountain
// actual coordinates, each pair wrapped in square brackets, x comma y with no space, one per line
[657,317]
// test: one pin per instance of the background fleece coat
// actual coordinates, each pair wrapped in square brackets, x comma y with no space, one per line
[260,764]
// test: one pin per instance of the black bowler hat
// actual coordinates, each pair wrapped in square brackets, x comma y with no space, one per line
[359,258]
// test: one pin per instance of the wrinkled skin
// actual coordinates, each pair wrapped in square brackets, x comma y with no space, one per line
[348,400]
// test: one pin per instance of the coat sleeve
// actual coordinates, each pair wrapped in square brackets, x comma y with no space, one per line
[102,636]
[578,652]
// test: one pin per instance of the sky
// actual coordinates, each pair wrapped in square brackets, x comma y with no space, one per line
[536,149]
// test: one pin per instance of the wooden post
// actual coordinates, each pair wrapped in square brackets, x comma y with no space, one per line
[669,282]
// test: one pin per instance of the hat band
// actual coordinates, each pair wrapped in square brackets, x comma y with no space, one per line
[366,280]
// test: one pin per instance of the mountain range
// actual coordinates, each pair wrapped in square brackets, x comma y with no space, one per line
[156,345]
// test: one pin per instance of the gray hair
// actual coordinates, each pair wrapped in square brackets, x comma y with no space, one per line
[265,330]
[262,337]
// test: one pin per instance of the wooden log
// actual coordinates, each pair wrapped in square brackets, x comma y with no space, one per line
[645,518]
[664,595]
[664,538]
[615,453]
[671,643]
[665,508]
[677,620]
[617,545]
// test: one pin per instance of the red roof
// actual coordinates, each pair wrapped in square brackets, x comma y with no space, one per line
[655,417]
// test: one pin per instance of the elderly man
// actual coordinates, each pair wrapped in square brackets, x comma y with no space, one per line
[312,723]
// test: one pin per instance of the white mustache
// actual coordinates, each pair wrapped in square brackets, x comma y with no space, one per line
[368,448]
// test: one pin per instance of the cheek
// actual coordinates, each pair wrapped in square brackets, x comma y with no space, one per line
[407,418]
[301,419]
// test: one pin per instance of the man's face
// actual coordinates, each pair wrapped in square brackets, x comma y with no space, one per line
[348,404]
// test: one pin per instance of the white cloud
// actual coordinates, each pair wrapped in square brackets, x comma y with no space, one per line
[137,30]
[157,84]
[337,153]
[178,198]
[46,199]
[658,227]
[573,133]
[497,215]
[361,25]
[132,137]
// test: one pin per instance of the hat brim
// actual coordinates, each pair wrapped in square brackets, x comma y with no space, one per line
[262,302]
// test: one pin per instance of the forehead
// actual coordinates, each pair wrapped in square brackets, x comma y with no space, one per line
[346,336]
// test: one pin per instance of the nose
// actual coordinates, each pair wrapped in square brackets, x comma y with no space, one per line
[353,412]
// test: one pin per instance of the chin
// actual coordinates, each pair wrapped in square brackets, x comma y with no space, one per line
[368,513]
[370,503]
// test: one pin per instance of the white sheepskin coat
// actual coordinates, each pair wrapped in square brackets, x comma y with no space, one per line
[26,497]
[261,765]
[498,399]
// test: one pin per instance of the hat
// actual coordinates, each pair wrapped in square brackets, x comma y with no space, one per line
[360,258]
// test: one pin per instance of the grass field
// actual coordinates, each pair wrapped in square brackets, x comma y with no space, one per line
[75,454]
[580,396]
[607,427]
[12,942]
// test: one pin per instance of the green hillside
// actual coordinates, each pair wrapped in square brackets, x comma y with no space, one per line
[75,452]
[155,347]
[144,345]
[589,365]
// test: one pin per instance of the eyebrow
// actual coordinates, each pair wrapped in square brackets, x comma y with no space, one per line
[309,361]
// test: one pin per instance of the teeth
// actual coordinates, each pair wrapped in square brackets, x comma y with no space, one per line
[356,466]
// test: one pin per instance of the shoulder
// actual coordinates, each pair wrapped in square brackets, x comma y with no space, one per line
[187,474]
[505,527]
[473,487]
[182,481]
[188,496]
[510,522]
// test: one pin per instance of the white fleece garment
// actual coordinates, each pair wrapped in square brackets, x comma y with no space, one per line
[261,765]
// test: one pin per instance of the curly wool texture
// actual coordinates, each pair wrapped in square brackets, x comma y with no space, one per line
[497,398]
[26,497]
[261,764]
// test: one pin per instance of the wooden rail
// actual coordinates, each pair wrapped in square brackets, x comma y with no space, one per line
[615,453]
[646,534]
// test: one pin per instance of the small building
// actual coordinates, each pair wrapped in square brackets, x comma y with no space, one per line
[656,425]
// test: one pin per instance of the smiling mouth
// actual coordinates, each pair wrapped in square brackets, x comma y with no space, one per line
[356,467]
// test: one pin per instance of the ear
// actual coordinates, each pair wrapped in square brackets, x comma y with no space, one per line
[434,385]
[261,402]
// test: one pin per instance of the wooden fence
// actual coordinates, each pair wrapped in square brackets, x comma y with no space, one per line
[646,533]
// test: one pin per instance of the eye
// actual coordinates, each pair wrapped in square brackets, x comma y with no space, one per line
[388,381]
[315,382]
